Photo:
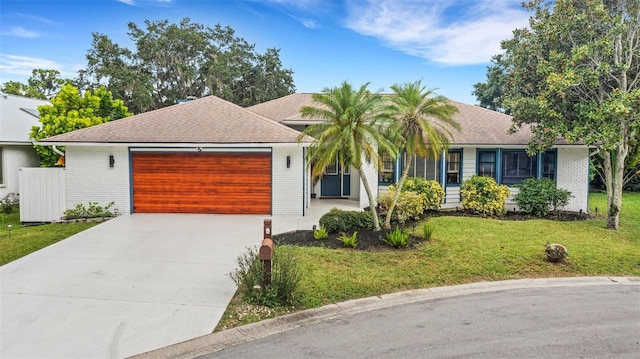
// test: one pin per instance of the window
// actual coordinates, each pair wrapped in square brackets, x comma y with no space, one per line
[332,169]
[487,164]
[386,174]
[510,167]
[549,165]
[453,167]
[428,168]
[518,166]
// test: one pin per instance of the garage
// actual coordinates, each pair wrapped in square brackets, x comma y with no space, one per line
[201,182]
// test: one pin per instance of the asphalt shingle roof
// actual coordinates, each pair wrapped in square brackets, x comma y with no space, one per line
[479,126]
[205,120]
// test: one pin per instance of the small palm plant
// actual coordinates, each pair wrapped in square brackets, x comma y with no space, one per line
[320,233]
[349,241]
[398,238]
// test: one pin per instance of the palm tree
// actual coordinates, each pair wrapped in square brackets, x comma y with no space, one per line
[421,123]
[349,131]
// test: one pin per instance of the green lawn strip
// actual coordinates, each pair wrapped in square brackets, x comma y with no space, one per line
[26,240]
[466,250]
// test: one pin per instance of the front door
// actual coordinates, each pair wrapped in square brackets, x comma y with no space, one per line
[336,181]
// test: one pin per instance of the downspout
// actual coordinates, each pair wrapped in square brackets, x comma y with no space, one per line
[62,158]
[56,150]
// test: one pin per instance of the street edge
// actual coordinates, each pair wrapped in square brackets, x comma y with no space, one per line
[215,342]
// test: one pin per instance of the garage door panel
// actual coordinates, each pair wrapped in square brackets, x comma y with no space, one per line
[202,183]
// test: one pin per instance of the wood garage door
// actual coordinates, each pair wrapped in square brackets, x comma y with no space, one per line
[201,183]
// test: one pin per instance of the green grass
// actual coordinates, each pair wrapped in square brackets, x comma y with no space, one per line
[25,240]
[464,250]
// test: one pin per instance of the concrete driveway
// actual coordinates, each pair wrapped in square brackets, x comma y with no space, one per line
[126,286]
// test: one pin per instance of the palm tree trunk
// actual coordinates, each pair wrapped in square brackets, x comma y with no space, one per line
[403,177]
[372,204]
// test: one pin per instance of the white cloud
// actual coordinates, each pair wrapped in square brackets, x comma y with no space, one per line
[147,2]
[19,68]
[35,18]
[306,22]
[21,32]
[448,32]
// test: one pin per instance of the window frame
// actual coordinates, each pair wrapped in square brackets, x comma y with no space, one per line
[426,162]
[386,159]
[496,162]
[532,166]
[334,166]
[447,165]
[541,164]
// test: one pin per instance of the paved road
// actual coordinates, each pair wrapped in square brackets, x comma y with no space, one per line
[592,320]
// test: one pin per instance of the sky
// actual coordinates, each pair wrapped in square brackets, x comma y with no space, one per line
[447,44]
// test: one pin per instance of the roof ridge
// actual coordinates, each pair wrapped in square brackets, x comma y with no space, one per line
[259,116]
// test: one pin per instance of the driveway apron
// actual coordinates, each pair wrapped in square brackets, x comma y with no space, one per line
[126,286]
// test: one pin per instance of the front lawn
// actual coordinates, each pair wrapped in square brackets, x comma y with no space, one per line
[464,250]
[20,241]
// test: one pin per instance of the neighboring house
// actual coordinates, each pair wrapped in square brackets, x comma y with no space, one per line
[202,156]
[17,116]
[483,146]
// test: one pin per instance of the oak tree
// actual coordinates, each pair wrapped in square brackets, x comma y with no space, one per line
[573,73]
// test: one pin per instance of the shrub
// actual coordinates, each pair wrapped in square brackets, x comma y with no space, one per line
[540,196]
[482,195]
[94,211]
[555,252]
[432,190]
[397,238]
[9,203]
[320,233]
[336,221]
[349,241]
[425,231]
[410,205]
[248,276]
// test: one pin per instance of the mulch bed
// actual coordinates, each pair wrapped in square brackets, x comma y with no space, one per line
[369,240]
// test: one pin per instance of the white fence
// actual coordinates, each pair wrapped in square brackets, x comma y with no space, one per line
[43,195]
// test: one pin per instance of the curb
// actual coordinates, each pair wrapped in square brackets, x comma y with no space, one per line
[215,342]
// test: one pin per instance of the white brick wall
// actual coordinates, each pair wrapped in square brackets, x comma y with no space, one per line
[372,178]
[14,157]
[573,175]
[288,190]
[90,179]
[573,172]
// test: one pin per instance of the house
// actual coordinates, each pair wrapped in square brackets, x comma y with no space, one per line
[202,156]
[211,156]
[17,115]
[483,146]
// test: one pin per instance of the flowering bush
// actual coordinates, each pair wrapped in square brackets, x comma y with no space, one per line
[432,190]
[482,195]
[410,204]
